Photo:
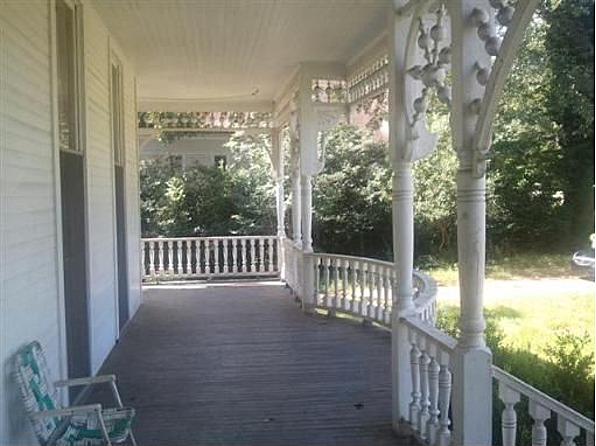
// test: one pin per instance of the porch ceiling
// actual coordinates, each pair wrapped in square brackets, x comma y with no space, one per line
[192,54]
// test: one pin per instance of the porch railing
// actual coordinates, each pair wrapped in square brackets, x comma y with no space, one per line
[430,361]
[541,408]
[364,287]
[293,257]
[209,257]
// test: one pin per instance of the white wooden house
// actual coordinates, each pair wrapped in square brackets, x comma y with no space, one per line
[204,148]
[74,73]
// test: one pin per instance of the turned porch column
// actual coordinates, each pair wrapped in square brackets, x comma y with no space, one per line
[306,191]
[296,190]
[278,170]
[472,382]
[404,149]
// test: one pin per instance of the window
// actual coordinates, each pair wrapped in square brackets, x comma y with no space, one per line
[67,77]
[220,161]
[175,161]
[117,113]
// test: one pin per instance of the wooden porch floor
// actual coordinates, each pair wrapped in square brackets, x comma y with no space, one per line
[240,364]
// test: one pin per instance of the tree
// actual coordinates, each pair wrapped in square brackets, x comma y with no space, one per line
[543,148]
[352,196]
[526,152]
[569,42]
[210,201]
[435,209]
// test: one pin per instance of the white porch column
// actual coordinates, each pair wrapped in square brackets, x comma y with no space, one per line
[306,191]
[278,169]
[403,304]
[296,194]
[472,383]
[400,148]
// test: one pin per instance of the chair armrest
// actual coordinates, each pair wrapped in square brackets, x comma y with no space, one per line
[69,411]
[85,381]
[110,379]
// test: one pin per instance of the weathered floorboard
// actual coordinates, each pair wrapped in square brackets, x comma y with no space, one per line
[242,365]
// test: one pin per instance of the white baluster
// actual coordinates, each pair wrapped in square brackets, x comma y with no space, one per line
[170,258]
[432,428]
[589,438]
[270,242]
[253,256]
[335,299]
[444,400]
[234,255]
[179,266]
[372,288]
[352,306]
[362,301]
[143,258]
[539,414]
[510,398]
[188,258]
[387,300]
[243,243]
[380,298]
[225,246]
[152,259]
[415,367]
[343,266]
[424,414]
[215,245]
[568,431]
[327,281]
[160,253]
[261,254]
[208,262]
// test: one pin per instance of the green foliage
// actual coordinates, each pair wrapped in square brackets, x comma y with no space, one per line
[572,371]
[570,46]
[543,149]
[568,376]
[435,209]
[352,196]
[208,201]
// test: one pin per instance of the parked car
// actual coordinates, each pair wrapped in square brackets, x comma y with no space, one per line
[583,262]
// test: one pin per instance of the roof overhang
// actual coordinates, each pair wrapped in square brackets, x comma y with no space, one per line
[234,54]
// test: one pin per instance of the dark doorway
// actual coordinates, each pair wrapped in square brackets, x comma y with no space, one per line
[124,311]
[75,264]
[117,112]
[72,182]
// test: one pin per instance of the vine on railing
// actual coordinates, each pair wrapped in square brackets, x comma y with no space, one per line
[209,257]
[224,120]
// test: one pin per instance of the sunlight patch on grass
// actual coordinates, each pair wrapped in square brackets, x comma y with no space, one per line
[523,266]
[530,318]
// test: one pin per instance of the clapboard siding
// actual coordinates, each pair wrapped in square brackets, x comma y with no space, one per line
[100,189]
[29,297]
[31,304]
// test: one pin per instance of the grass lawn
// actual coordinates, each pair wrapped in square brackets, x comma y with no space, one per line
[525,266]
[532,298]
[531,314]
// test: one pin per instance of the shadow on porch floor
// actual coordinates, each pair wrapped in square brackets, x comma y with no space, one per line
[242,365]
